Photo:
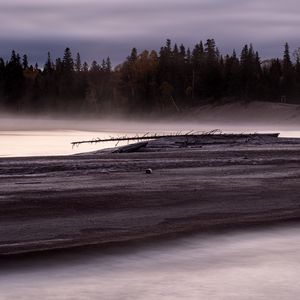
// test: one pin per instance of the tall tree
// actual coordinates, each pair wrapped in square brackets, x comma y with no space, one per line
[66,75]
[48,67]
[25,62]
[67,62]
[78,66]
[14,82]
[287,72]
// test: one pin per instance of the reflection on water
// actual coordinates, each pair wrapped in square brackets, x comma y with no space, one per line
[58,142]
[43,136]
[257,265]
[51,142]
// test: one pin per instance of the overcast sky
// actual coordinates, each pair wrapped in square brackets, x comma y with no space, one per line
[112,27]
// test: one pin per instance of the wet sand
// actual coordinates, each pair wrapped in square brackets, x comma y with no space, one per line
[60,202]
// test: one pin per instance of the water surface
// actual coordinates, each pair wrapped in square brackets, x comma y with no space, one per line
[245,265]
[38,137]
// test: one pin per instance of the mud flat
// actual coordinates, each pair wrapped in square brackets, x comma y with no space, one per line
[196,186]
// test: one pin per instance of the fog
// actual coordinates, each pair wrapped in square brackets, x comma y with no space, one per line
[44,135]
[239,117]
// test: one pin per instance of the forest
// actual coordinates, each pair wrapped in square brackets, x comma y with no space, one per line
[172,80]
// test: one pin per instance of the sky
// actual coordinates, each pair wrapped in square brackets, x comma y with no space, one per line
[102,28]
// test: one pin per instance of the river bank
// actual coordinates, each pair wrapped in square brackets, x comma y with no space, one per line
[99,198]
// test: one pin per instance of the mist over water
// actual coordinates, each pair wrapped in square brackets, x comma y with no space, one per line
[244,265]
[42,136]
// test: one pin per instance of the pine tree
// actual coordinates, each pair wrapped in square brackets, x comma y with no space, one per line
[67,80]
[287,63]
[14,81]
[25,62]
[133,56]
[2,77]
[287,80]
[85,67]
[48,67]
[188,56]
[103,65]
[108,64]
[182,51]
[67,62]
[78,66]
[168,45]
[94,66]
[210,51]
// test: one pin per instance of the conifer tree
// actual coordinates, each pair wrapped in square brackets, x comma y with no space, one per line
[85,67]
[287,72]
[287,63]
[2,77]
[14,82]
[67,62]
[25,62]
[78,66]
[48,67]
[108,64]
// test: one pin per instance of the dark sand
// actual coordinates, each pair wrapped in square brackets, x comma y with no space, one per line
[60,202]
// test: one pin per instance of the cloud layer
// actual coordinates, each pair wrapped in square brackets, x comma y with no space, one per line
[101,28]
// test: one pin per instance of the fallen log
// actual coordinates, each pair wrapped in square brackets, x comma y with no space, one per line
[215,134]
[131,148]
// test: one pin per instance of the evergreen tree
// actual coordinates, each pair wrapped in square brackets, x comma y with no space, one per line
[2,78]
[95,67]
[14,82]
[67,62]
[287,63]
[25,62]
[231,76]
[133,56]
[48,67]
[78,66]
[182,51]
[85,67]
[66,80]
[287,73]
[210,51]
[49,82]
[212,78]
[108,64]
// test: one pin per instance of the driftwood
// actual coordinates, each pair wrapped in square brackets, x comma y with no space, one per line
[131,148]
[215,135]
[133,138]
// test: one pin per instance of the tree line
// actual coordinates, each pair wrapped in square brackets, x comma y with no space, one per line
[173,79]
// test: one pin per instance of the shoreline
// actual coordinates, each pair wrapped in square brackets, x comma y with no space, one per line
[49,203]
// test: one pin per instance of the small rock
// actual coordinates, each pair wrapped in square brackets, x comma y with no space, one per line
[149,171]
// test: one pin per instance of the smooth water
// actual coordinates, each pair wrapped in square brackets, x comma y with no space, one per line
[38,137]
[246,265]
[50,142]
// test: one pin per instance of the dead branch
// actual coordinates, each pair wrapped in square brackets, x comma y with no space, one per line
[191,134]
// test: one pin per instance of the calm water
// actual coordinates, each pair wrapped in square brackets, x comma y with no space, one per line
[249,265]
[25,137]
[50,142]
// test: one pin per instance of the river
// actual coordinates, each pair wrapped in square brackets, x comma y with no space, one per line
[42,137]
[263,264]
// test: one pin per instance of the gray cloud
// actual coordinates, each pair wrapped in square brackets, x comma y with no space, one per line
[101,28]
